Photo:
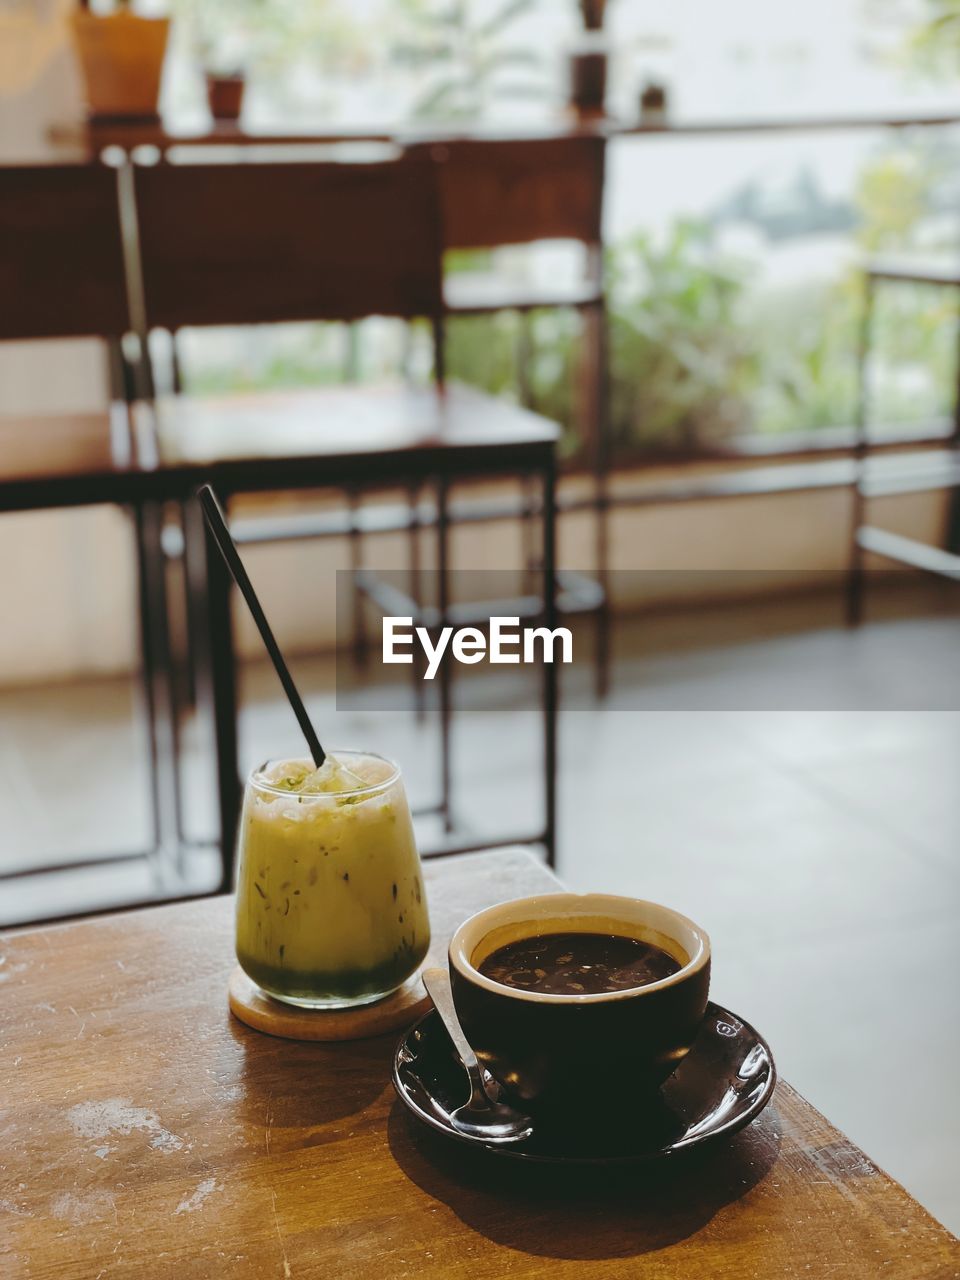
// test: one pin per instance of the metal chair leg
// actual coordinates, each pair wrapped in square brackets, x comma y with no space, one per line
[596,322]
[550,684]
[446,669]
[187,682]
[529,548]
[855,572]
[414,568]
[361,645]
[223,687]
[952,538]
[523,355]
[176,364]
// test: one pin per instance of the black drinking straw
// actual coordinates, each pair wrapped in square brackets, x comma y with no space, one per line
[217,522]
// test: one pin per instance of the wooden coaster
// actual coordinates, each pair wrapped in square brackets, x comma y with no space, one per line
[392,1013]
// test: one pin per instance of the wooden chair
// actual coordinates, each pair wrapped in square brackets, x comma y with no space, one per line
[518,192]
[62,276]
[61,260]
[250,243]
[942,473]
[243,244]
[237,244]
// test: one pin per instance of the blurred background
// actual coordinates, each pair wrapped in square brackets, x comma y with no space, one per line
[756,393]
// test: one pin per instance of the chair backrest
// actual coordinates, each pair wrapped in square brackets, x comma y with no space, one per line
[516,191]
[61,253]
[252,243]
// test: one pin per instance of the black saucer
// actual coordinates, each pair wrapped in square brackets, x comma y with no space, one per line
[724,1082]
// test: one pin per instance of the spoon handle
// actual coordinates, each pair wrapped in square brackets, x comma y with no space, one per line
[437,982]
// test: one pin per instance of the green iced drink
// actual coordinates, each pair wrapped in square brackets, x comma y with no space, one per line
[331,909]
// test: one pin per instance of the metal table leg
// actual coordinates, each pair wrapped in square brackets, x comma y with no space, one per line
[158,685]
[148,661]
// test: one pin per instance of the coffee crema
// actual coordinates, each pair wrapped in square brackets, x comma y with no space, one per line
[575,964]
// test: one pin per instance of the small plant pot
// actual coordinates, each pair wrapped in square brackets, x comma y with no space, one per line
[653,103]
[225,95]
[592,12]
[121,58]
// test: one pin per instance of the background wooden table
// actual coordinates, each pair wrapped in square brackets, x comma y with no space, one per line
[146,1133]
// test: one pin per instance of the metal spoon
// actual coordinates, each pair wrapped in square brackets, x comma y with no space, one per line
[483,1116]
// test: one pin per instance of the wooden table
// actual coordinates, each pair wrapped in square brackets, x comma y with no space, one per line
[393,436]
[145,1133]
[278,441]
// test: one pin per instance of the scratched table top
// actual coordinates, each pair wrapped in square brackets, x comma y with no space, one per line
[146,1133]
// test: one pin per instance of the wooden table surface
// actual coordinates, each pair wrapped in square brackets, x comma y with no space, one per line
[145,1133]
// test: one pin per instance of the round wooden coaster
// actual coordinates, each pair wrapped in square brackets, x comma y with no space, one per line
[394,1012]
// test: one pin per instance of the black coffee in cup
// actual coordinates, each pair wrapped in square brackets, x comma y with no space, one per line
[571,964]
[645,974]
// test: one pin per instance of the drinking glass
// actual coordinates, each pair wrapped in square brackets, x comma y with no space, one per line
[331,908]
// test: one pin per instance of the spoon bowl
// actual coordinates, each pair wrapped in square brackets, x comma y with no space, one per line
[484,1115]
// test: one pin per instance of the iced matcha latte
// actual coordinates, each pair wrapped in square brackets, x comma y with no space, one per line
[331,909]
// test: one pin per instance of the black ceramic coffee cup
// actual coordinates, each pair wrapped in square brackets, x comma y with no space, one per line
[592,1051]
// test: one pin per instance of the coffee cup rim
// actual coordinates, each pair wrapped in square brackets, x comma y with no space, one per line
[467,937]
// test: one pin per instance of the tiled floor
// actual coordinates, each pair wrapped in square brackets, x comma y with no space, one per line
[821,848]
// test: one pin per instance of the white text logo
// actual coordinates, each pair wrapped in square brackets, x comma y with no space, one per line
[506,643]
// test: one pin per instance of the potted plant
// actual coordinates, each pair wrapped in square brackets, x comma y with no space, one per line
[227,36]
[121,57]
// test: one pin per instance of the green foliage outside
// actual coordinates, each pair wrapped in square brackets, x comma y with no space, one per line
[457,54]
[681,363]
[934,48]
[698,353]
[702,347]
[270,39]
[464,58]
